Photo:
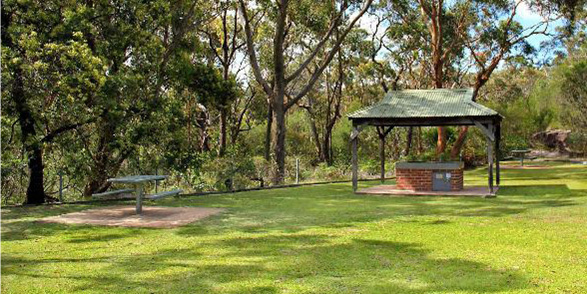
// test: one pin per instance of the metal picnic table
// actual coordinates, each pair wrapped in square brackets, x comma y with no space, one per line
[521,154]
[138,181]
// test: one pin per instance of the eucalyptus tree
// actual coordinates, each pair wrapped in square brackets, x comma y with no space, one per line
[50,76]
[288,18]
[454,38]
[400,49]
[419,40]
[445,23]
[495,35]
[325,103]
[323,106]
[225,40]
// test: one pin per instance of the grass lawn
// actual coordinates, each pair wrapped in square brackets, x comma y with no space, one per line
[532,238]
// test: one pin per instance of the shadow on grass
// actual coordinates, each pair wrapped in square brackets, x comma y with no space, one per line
[31,229]
[168,270]
[339,210]
[375,266]
[287,256]
[40,211]
[271,264]
[294,210]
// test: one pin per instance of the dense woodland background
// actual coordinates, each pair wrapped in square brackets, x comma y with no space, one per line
[227,95]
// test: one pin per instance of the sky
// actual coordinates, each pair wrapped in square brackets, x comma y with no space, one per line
[528,18]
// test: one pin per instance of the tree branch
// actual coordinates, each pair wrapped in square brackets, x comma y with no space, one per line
[51,136]
[318,47]
[251,51]
[329,57]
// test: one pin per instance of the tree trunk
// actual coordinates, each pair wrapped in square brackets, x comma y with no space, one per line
[35,193]
[420,147]
[102,158]
[316,137]
[409,138]
[327,146]
[106,166]
[36,190]
[97,185]
[204,137]
[456,148]
[267,151]
[279,107]
[480,81]
[279,142]
[441,142]
[222,139]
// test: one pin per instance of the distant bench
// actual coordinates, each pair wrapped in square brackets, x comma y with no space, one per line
[112,193]
[163,194]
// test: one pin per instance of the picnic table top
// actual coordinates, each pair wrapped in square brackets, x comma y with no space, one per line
[521,151]
[137,179]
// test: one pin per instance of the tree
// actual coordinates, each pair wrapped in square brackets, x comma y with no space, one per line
[137,40]
[50,75]
[224,42]
[444,31]
[494,37]
[404,47]
[276,87]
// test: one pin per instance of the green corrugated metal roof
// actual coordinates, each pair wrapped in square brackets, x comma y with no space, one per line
[425,103]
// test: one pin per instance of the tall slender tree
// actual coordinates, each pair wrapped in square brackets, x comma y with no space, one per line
[276,87]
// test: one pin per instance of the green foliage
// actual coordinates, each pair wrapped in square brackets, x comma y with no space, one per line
[141,82]
[236,170]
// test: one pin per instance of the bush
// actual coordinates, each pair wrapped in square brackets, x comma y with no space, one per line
[232,172]
[323,172]
[577,142]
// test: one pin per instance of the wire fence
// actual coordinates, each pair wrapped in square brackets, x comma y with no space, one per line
[63,186]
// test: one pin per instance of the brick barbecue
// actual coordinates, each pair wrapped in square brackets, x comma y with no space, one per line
[429,176]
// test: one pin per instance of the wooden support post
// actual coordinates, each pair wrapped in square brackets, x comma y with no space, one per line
[139,189]
[497,151]
[490,159]
[354,139]
[382,157]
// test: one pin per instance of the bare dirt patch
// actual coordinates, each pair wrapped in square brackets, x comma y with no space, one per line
[125,216]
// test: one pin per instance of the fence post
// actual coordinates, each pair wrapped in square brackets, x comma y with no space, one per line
[297,170]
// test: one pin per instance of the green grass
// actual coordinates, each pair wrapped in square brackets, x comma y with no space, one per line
[322,239]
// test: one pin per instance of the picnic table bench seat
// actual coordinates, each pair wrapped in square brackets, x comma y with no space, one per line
[164,194]
[113,192]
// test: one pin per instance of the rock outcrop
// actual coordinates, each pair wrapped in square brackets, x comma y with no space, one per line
[554,139]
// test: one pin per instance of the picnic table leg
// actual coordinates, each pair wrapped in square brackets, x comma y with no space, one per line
[522,159]
[139,199]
